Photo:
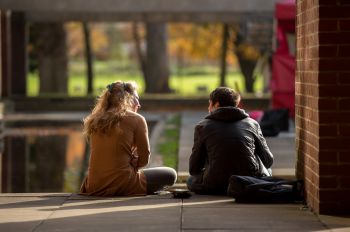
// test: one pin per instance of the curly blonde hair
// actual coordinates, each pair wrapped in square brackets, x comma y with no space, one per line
[110,108]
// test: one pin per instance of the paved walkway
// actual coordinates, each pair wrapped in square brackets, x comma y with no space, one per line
[71,212]
[188,122]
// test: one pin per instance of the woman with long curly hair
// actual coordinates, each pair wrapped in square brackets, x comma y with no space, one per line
[119,147]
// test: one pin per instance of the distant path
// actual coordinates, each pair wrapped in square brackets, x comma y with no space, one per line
[188,122]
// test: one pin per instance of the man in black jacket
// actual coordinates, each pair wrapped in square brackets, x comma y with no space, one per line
[227,142]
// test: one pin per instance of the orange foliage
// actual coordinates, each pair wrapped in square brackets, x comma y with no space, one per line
[248,51]
[197,42]
[187,41]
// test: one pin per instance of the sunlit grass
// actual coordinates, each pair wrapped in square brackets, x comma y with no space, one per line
[168,145]
[182,85]
[190,81]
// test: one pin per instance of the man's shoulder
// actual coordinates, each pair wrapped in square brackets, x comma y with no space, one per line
[250,121]
[203,122]
[245,122]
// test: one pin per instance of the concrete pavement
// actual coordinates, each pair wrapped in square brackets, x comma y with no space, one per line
[71,212]
[189,119]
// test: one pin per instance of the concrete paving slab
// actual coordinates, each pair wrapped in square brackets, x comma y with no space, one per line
[189,120]
[35,194]
[26,213]
[206,201]
[250,218]
[337,223]
[128,214]
[283,149]
[76,196]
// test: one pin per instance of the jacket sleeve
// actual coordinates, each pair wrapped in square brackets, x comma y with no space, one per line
[142,142]
[262,150]
[198,156]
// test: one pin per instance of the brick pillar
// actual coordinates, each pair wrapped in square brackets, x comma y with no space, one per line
[322,94]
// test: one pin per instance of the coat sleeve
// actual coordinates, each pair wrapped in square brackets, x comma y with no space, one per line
[142,142]
[198,156]
[262,149]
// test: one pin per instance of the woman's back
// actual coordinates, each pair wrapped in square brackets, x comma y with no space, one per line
[119,147]
[110,171]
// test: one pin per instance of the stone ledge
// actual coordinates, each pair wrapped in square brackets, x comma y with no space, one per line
[148,102]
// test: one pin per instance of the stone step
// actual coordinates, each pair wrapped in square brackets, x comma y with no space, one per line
[178,186]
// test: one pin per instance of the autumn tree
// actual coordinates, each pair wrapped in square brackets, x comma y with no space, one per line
[88,57]
[207,42]
[140,54]
[224,44]
[157,60]
[49,42]
[247,57]
[86,39]
[154,62]
[252,41]
[100,42]
[202,44]
[196,42]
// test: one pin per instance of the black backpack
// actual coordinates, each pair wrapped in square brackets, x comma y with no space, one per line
[274,121]
[248,189]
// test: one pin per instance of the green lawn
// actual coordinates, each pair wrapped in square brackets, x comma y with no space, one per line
[191,81]
[168,144]
[182,85]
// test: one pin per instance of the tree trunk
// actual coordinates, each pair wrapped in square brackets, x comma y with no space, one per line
[88,58]
[51,50]
[223,65]
[157,63]
[247,68]
[247,65]
[140,56]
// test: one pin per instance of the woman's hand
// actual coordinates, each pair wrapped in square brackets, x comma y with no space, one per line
[134,161]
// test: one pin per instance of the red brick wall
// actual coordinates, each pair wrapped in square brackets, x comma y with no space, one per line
[322,96]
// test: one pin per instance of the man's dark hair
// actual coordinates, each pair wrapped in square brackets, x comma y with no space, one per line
[225,96]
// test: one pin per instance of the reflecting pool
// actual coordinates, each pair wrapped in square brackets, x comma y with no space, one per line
[44,158]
